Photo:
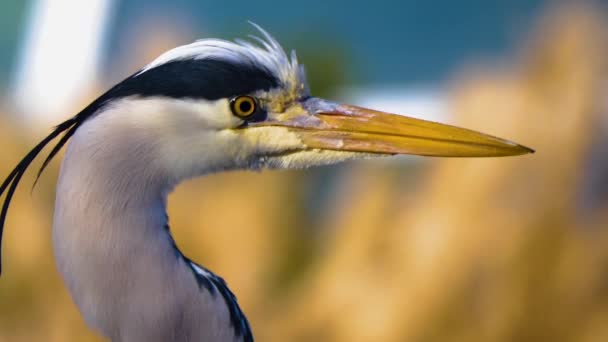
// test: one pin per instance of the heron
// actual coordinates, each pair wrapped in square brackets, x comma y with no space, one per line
[210,106]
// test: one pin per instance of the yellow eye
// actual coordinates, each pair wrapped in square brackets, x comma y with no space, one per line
[243,106]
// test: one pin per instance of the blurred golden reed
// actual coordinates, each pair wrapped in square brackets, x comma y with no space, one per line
[456,250]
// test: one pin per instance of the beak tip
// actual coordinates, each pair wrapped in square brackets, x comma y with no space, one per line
[526,150]
[517,149]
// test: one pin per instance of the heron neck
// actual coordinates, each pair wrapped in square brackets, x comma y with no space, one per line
[109,232]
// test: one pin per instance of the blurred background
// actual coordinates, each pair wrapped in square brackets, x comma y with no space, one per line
[402,249]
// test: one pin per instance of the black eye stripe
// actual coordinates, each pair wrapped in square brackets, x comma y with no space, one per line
[209,79]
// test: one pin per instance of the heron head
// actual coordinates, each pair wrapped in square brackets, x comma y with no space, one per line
[238,105]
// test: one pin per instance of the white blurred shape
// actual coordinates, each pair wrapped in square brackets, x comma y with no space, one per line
[419,102]
[60,56]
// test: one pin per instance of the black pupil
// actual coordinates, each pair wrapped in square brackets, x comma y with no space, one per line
[245,106]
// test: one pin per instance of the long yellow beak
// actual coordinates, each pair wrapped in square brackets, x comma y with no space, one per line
[330,126]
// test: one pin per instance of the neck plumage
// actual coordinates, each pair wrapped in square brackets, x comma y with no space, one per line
[109,233]
[114,250]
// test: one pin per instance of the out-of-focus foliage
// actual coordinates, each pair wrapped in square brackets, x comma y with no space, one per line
[469,250]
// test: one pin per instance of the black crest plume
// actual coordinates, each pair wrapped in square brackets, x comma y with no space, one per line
[11,182]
